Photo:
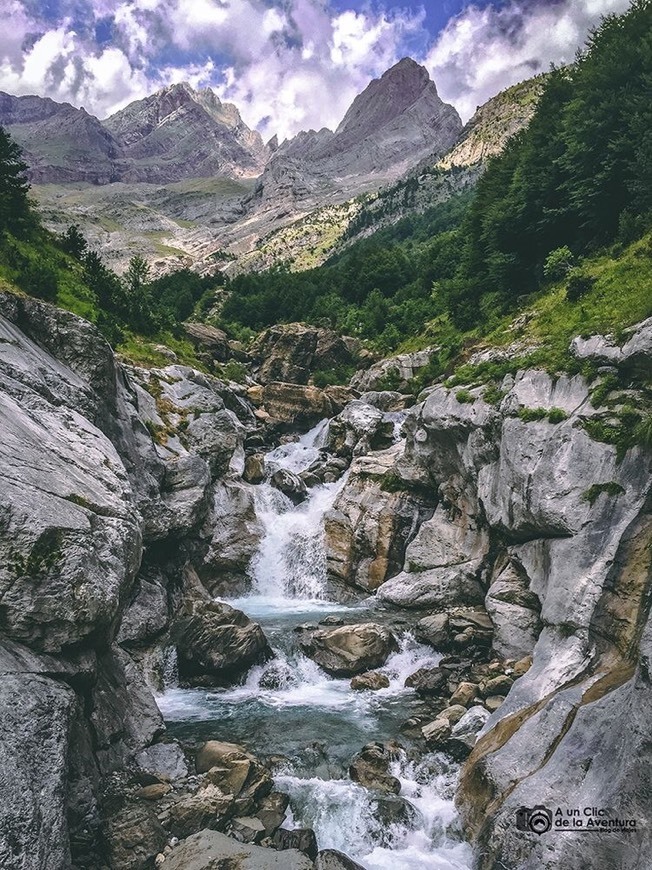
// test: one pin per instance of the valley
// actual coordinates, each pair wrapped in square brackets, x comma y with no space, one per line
[326,478]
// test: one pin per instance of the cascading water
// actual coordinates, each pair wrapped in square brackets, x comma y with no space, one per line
[291,708]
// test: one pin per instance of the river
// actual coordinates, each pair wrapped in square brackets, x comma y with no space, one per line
[314,724]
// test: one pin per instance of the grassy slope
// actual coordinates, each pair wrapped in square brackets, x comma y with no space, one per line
[539,334]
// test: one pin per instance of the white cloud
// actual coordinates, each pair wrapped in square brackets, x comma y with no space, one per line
[287,64]
[483,51]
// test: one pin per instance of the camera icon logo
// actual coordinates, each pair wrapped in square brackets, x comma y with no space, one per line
[538,820]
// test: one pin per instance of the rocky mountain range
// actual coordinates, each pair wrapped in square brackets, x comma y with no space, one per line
[184,182]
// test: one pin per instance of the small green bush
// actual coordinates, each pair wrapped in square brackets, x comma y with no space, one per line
[493,395]
[557,415]
[594,492]
[531,415]
[464,397]
[558,263]
[607,385]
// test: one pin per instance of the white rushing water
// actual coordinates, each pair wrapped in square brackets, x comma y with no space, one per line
[291,707]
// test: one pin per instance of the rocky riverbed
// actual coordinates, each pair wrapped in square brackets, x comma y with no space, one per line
[279,626]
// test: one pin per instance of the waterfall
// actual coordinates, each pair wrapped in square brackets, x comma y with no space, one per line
[291,560]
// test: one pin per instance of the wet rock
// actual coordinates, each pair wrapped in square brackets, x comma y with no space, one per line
[254,469]
[372,680]
[350,649]
[428,682]
[205,850]
[163,760]
[331,859]
[469,725]
[301,839]
[458,629]
[493,702]
[392,810]
[436,733]
[134,836]
[272,811]
[289,484]
[217,642]
[207,808]
[464,694]
[247,829]
[371,768]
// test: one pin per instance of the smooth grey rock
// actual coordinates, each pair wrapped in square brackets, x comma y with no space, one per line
[164,760]
[216,438]
[205,850]
[514,612]
[471,723]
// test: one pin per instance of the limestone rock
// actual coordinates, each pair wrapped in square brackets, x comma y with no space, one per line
[291,352]
[295,405]
[331,859]
[367,527]
[34,752]
[371,768]
[163,760]
[217,642]
[204,850]
[396,371]
[371,680]
[350,649]
[514,612]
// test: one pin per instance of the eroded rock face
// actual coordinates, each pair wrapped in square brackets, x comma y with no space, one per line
[95,461]
[292,352]
[367,528]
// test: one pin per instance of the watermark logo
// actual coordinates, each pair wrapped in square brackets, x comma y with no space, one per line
[541,819]
[538,819]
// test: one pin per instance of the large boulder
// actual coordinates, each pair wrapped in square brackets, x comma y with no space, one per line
[292,352]
[216,643]
[394,372]
[295,405]
[349,649]
[371,768]
[208,850]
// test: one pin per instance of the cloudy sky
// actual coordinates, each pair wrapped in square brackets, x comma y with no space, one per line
[287,64]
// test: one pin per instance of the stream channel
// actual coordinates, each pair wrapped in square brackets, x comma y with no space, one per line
[315,723]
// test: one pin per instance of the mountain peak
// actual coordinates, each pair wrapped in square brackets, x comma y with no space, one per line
[389,97]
